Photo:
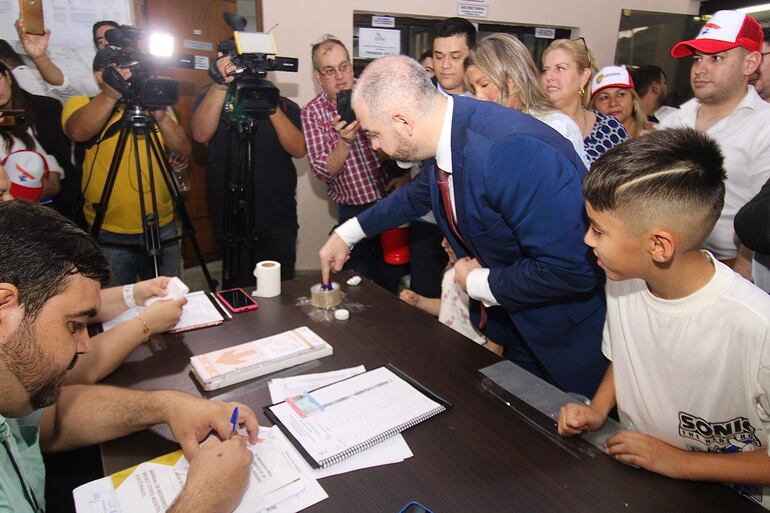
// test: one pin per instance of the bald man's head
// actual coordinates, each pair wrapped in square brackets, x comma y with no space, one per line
[394,83]
[400,109]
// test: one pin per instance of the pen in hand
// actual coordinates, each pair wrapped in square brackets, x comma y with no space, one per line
[234,422]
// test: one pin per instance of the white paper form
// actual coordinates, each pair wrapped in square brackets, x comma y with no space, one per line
[198,311]
[280,482]
[392,450]
[283,388]
[351,413]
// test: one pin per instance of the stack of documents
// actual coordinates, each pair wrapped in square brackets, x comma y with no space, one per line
[392,450]
[281,482]
[234,364]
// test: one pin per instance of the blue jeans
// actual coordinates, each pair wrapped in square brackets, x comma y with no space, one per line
[127,264]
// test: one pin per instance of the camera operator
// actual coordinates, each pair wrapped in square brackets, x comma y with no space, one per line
[275,139]
[94,121]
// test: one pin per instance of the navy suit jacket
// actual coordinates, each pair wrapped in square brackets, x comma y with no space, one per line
[520,209]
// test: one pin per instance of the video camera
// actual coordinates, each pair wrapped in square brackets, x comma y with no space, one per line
[253,54]
[144,87]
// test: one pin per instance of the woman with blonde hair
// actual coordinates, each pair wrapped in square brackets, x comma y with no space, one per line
[567,69]
[500,69]
[613,94]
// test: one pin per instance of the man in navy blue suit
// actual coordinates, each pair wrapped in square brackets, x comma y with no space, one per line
[511,208]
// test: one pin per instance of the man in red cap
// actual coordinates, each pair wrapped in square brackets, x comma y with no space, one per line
[725,53]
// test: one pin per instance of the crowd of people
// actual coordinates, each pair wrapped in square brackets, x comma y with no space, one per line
[561,214]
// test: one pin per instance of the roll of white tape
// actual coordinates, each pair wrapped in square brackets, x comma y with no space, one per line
[268,275]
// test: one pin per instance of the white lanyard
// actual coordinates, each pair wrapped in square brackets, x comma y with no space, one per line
[28,491]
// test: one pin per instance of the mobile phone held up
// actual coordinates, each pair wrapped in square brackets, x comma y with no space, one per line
[344,108]
[32,16]
[237,300]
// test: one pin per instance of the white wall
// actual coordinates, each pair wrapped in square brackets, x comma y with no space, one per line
[303,22]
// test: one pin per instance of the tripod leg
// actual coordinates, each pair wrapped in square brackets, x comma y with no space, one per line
[188,230]
[100,209]
[150,222]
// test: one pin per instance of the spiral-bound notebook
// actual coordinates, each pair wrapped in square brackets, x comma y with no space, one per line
[334,422]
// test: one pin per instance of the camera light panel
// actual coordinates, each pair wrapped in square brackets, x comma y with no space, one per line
[161,45]
[254,42]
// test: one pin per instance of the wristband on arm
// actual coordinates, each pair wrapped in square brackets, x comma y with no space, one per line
[128,296]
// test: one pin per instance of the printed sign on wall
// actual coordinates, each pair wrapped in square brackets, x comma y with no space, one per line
[376,42]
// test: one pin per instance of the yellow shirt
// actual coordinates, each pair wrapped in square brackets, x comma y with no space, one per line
[124,214]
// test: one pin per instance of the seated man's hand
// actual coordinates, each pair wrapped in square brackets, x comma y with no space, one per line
[333,255]
[161,316]
[346,131]
[144,290]
[217,478]
[576,418]
[192,419]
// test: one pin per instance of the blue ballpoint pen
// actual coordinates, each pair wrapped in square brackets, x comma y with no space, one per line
[234,422]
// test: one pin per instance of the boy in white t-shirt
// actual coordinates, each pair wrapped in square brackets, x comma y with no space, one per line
[688,338]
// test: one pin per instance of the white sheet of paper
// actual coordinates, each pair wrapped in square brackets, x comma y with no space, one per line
[96,496]
[281,482]
[347,414]
[282,388]
[175,289]
[198,310]
[392,450]
[312,492]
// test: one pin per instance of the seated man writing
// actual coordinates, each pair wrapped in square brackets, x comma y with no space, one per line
[50,280]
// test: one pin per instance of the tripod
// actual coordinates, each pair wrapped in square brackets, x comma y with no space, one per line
[238,205]
[137,122]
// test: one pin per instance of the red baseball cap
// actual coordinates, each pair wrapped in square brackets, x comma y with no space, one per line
[724,31]
[26,170]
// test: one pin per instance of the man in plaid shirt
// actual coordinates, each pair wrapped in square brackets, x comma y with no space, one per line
[342,156]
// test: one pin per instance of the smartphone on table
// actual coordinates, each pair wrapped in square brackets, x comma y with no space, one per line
[237,300]
[31,13]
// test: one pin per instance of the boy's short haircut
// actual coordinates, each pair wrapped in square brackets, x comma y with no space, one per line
[673,176]
[456,27]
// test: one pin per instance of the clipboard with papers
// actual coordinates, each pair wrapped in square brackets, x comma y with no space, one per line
[334,422]
[200,311]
